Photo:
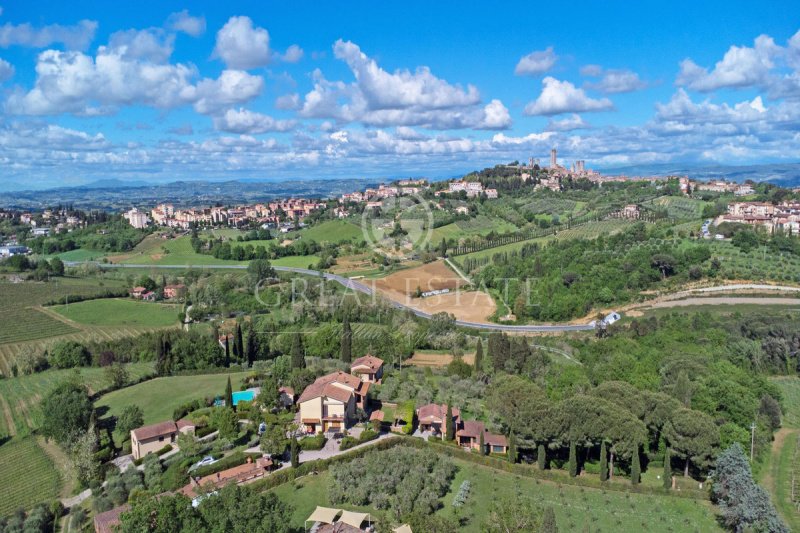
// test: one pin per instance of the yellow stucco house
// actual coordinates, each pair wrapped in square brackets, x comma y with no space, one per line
[329,404]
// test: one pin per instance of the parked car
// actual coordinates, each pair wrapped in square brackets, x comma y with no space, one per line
[205,461]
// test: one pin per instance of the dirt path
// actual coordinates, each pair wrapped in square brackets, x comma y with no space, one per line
[725,300]
[771,478]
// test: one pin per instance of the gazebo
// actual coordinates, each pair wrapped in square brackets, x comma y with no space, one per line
[328,516]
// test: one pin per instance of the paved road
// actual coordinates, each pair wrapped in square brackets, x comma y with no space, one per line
[363,288]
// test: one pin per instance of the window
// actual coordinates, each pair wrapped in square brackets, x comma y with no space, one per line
[161,438]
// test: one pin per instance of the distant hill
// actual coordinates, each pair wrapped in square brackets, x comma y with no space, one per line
[113,184]
[783,174]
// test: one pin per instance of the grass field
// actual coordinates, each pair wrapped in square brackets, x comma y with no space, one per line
[576,509]
[330,231]
[783,464]
[480,225]
[120,312]
[159,397]
[20,396]
[156,251]
[27,475]
[296,261]
[679,207]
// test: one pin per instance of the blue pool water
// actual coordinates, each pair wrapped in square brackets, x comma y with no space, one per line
[243,396]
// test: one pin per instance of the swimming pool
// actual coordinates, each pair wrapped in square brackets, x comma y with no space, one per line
[244,396]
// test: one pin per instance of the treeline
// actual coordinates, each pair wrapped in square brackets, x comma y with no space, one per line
[113,234]
[566,279]
[39,270]
[669,392]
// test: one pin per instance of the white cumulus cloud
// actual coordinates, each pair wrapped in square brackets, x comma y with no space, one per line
[184,22]
[563,97]
[572,122]
[613,81]
[537,62]
[6,70]
[77,37]
[250,122]
[242,46]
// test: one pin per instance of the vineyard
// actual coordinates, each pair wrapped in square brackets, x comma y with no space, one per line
[26,324]
[552,206]
[20,396]
[480,225]
[586,231]
[678,207]
[27,476]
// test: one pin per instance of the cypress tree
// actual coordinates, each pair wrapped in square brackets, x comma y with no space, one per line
[482,445]
[229,394]
[603,462]
[298,357]
[636,469]
[215,332]
[227,352]
[295,452]
[541,457]
[347,341]
[512,448]
[239,342]
[667,481]
[573,460]
[449,425]
[479,357]
[549,521]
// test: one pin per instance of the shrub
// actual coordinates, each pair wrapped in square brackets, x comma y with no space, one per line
[317,442]
[348,442]
[165,449]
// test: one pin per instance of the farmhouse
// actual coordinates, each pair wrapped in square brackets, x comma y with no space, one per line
[432,417]
[174,291]
[137,292]
[368,367]
[152,438]
[329,404]
[469,433]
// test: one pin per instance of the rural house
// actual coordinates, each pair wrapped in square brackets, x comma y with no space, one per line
[174,291]
[329,404]
[147,439]
[432,417]
[368,367]
[468,435]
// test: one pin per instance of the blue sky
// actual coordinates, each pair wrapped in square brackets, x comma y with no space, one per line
[218,90]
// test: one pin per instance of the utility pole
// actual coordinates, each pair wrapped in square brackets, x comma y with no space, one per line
[752,439]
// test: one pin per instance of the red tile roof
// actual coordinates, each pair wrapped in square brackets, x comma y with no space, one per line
[106,522]
[471,428]
[435,413]
[369,361]
[161,429]
[323,387]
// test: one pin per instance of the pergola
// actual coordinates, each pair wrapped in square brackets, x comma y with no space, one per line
[323,515]
[405,528]
[355,519]
[327,515]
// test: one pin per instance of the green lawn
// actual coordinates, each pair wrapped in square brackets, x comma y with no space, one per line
[297,261]
[120,312]
[576,508]
[27,475]
[784,461]
[81,255]
[159,397]
[329,231]
[155,251]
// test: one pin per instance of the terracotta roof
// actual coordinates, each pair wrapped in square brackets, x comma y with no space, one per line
[322,386]
[106,522]
[237,474]
[471,428]
[494,440]
[336,392]
[183,423]
[155,430]
[435,413]
[376,415]
[369,361]
[287,390]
